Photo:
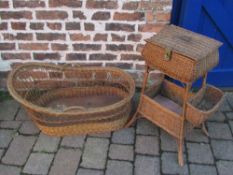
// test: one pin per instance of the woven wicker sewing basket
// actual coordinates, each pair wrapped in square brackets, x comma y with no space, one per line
[66,100]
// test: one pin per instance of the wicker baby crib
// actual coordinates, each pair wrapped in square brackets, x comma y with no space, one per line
[66,100]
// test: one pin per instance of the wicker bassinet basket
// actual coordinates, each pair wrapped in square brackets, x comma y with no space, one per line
[65,100]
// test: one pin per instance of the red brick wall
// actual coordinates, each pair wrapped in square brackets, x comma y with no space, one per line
[107,33]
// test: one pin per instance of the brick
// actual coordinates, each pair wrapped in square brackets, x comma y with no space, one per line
[101,37]
[133,57]
[146,165]
[86,47]
[82,171]
[28,4]
[124,136]
[28,127]
[66,162]
[121,152]
[19,147]
[44,56]
[72,26]
[18,36]
[10,124]
[95,153]
[119,168]
[50,36]
[4,4]
[3,26]
[130,6]
[100,5]
[225,167]
[101,16]
[54,25]
[51,15]
[65,3]
[38,163]
[162,16]
[5,137]
[218,116]
[7,46]
[15,15]
[18,25]
[202,169]
[222,149]
[120,47]
[102,57]
[57,46]
[116,37]
[120,65]
[135,16]
[196,135]
[200,153]
[150,27]
[9,170]
[46,143]
[139,48]
[36,26]
[8,109]
[150,16]
[170,164]
[79,14]
[80,37]
[76,56]
[134,37]
[219,130]
[119,27]
[16,56]
[73,141]
[21,115]
[89,26]
[145,127]
[147,145]
[33,46]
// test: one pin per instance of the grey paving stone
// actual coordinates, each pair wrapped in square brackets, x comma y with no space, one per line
[10,124]
[28,127]
[170,164]
[46,143]
[119,168]
[95,153]
[9,170]
[218,116]
[73,141]
[66,162]
[229,97]
[104,135]
[8,109]
[5,137]
[121,152]
[1,153]
[231,125]
[196,135]
[19,150]
[222,149]
[219,130]
[202,169]
[82,171]
[168,143]
[145,127]
[229,115]
[147,145]
[200,153]
[145,165]
[124,136]
[225,167]
[22,115]
[38,163]
[225,106]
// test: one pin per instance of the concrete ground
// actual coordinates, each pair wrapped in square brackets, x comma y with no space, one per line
[141,150]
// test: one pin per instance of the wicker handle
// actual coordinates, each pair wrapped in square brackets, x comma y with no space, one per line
[81,108]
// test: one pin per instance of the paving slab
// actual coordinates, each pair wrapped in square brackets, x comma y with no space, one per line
[101,135]
[119,168]
[121,152]
[124,136]
[38,163]
[223,149]
[145,127]
[73,141]
[29,128]
[225,167]
[22,115]
[225,106]
[82,171]
[10,124]
[8,109]
[9,170]
[219,130]
[168,143]
[145,165]
[148,145]
[229,115]
[1,153]
[197,135]
[218,117]
[66,162]
[5,137]
[46,143]
[202,169]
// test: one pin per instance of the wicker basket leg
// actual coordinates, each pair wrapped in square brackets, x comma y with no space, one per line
[180,152]
[204,129]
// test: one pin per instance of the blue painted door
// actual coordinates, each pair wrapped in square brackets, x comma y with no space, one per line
[213,18]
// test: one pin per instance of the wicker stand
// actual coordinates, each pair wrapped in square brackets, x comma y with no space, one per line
[184,56]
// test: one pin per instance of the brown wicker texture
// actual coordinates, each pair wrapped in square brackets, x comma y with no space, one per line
[204,104]
[64,100]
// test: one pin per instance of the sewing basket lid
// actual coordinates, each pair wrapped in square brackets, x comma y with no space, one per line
[185,42]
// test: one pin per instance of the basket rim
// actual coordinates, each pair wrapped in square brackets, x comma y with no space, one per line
[40,109]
